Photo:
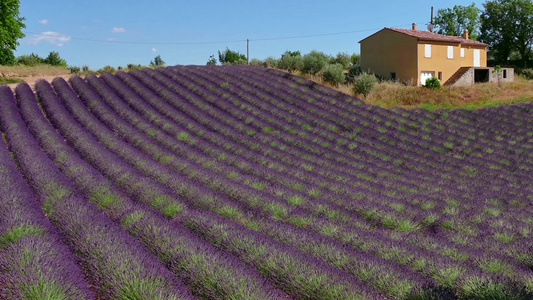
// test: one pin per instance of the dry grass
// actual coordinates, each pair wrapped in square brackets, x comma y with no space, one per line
[393,94]
[25,71]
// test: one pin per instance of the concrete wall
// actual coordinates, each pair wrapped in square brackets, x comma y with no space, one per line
[468,77]
[387,52]
[508,72]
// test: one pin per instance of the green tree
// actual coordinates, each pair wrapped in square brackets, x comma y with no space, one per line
[11,24]
[342,58]
[157,62]
[291,61]
[212,61]
[507,26]
[453,21]
[231,57]
[364,84]
[314,62]
[355,59]
[334,74]
[54,59]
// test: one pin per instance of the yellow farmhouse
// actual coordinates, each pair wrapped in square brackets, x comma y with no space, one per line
[412,56]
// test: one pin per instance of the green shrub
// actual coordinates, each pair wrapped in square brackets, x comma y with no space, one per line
[271,62]
[291,61]
[74,69]
[364,84]
[54,59]
[342,58]
[212,61]
[134,67]
[157,62]
[229,57]
[85,68]
[527,73]
[257,62]
[30,60]
[334,74]
[353,72]
[108,68]
[433,83]
[314,62]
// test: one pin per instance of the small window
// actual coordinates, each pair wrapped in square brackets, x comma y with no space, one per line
[504,73]
[450,52]
[393,75]
[440,76]
[427,50]
[462,52]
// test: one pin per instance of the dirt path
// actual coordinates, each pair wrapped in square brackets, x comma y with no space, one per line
[31,80]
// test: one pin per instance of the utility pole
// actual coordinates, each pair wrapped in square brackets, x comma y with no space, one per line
[247,51]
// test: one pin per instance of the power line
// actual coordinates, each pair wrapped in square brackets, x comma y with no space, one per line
[136,43]
[208,42]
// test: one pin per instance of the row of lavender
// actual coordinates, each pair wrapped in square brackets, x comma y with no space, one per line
[524,227]
[198,147]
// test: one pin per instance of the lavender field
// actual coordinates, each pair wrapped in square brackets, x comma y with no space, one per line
[239,182]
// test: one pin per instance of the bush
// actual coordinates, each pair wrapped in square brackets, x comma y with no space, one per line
[54,59]
[433,83]
[291,61]
[257,62]
[342,58]
[212,61]
[334,74]
[108,68]
[85,68]
[74,69]
[229,57]
[157,62]
[364,84]
[271,62]
[30,60]
[314,62]
[352,74]
[134,67]
[527,73]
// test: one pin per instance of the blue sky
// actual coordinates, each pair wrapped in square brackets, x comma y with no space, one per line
[117,32]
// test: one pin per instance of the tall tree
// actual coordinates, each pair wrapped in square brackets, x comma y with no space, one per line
[231,57]
[11,24]
[453,21]
[507,26]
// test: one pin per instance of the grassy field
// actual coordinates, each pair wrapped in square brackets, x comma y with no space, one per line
[25,71]
[393,94]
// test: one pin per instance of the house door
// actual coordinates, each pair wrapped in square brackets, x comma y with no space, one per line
[425,75]
[477,58]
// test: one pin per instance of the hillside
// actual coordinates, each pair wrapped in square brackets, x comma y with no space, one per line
[240,182]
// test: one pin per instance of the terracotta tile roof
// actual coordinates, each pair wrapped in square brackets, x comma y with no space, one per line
[431,36]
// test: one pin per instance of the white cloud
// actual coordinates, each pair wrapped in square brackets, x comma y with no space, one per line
[43,21]
[118,29]
[154,50]
[51,37]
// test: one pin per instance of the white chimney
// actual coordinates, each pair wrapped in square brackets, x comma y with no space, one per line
[414,26]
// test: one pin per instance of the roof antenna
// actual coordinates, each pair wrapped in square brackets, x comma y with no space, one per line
[430,25]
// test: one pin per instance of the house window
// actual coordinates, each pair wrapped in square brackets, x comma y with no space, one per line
[450,52]
[462,52]
[393,75]
[427,50]
[504,73]
[440,76]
